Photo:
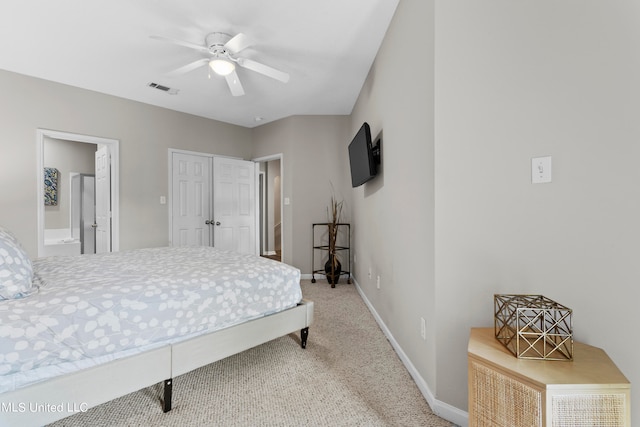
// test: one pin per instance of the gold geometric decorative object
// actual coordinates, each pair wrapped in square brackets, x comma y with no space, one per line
[533,327]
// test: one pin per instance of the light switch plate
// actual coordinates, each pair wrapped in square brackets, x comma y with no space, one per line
[541,170]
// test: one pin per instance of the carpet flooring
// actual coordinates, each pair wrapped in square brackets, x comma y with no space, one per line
[349,375]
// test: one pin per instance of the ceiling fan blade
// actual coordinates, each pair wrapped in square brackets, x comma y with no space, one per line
[238,43]
[234,84]
[264,69]
[181,43]
[189,67]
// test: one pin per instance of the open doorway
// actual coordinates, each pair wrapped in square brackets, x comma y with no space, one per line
[52,221]
[270,206]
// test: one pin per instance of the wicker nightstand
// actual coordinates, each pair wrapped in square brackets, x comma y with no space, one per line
[511,392]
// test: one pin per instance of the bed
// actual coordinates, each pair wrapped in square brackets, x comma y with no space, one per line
[88,329]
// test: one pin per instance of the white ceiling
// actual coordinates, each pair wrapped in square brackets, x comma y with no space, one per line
[327,46]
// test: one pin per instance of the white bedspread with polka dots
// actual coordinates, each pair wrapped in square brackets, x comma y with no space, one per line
[95,308]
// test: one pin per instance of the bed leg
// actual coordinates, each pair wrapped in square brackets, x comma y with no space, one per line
[168,386]
[304,333]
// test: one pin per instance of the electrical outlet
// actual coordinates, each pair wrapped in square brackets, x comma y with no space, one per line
[378,283]
[423,328]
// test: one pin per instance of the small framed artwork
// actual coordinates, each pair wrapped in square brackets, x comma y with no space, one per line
[51,186]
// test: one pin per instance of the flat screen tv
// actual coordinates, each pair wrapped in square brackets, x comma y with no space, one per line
[364,157]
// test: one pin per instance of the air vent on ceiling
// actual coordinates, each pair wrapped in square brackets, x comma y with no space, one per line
[158,86]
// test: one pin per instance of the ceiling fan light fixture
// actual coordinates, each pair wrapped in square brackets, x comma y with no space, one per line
[221,66]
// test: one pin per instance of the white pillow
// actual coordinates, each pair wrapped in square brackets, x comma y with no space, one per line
[16,270]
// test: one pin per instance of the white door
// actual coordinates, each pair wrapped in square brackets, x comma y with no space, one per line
[191,200]
[234,205]
[103,200]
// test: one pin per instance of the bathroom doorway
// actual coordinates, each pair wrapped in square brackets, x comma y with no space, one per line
[56,234]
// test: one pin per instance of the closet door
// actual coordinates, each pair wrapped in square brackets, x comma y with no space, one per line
[234,205]
[191,200]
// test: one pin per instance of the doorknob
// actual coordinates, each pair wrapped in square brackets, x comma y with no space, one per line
[208,222]
[217,222]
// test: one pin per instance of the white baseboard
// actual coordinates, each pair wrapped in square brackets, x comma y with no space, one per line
[442,409]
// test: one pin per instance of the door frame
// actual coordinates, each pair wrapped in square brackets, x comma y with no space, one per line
[114,150]
[263,159]
[262,214]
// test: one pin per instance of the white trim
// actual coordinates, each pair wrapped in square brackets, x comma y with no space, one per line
[199,153]
[114,149]
[256,207]
[262,213]
[442,409]
[279,156]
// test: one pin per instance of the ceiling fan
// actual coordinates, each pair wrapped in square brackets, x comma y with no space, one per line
[222,50]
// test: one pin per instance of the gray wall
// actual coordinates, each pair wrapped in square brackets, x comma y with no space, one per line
[145,133]
[517,80]
[454,218]
[394,213]
[315,160]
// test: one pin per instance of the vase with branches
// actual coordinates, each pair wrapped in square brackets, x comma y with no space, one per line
[333,267]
